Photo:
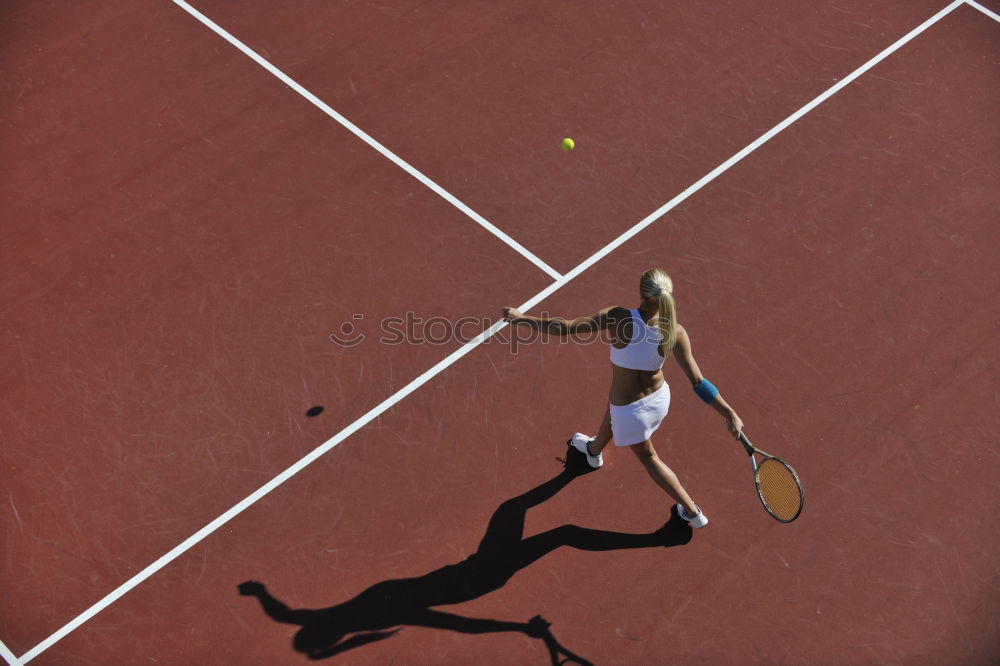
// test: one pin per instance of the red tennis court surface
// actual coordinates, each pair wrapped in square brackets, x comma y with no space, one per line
[183,232]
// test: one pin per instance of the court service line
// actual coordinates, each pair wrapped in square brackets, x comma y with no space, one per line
[989,12]
[361,134]
[8,656]
[442,365]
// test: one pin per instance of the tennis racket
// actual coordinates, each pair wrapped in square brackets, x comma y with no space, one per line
[778,486]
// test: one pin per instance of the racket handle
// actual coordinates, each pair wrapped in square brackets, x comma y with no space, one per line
[746,443]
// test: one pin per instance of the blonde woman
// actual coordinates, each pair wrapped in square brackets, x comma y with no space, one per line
[639,397]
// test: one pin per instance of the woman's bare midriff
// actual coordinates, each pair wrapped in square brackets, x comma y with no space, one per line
[627,386]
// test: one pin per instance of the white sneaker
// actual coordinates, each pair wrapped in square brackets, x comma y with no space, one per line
[698,520]
[579,441]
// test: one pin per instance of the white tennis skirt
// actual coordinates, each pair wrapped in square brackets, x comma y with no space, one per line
[635,422]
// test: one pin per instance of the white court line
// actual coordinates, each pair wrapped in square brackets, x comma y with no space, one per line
[764,138]
[442,365]
[8,656]
[398,161]
[989,12]
[301,464]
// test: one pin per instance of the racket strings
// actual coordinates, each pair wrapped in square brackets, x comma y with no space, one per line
[779,489]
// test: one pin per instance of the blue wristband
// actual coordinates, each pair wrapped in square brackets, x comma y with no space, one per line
[706,391]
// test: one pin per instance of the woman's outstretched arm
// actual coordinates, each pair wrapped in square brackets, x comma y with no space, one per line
[596,322]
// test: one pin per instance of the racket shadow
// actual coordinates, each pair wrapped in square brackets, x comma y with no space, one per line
[383,609]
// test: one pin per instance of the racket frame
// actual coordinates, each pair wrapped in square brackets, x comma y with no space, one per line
[751,449]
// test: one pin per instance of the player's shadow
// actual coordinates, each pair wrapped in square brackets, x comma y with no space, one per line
[382,609]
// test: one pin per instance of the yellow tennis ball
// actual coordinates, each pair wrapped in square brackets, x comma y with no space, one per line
[568,144]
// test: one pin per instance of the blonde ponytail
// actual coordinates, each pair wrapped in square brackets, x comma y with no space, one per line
[668,321]
[657,285]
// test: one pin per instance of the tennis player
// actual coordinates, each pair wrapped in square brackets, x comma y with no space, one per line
[639,397]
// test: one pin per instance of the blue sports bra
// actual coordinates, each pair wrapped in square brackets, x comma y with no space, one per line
[643,351]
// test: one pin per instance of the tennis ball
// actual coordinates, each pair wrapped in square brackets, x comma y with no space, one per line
[567,144]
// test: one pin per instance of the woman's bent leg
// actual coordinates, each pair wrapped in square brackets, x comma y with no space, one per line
[663,475]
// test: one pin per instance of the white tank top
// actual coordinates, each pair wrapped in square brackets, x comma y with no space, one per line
[643,351]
